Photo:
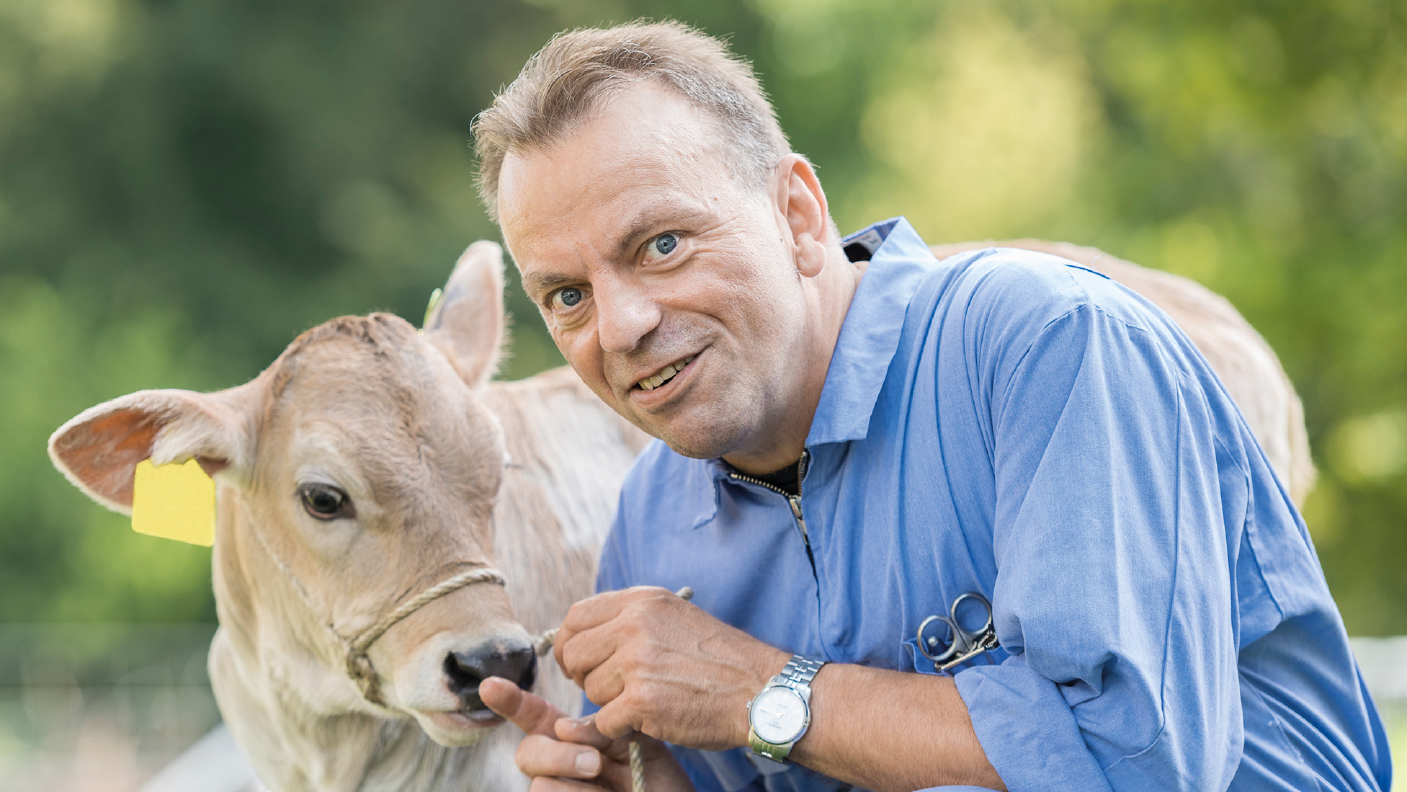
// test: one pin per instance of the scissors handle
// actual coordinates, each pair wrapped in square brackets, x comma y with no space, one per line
[964,644]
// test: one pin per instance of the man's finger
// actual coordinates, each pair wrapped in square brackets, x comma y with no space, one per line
[582,731]
[583,652]
[533,714]
[597,612]
[596,609]
[604,683]
[588,613]
[544,755]
[601,608]
[615,771]
[613,721]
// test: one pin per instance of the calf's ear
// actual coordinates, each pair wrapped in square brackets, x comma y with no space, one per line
[467,322]
[98,450]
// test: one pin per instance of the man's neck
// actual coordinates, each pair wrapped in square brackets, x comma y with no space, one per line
[839,282]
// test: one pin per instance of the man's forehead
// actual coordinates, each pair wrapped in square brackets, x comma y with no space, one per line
[646,150]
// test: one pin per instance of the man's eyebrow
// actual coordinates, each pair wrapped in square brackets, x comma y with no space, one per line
[649,219]
[535,283]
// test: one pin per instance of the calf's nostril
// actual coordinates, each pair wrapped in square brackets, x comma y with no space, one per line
[465,670]
[463,677]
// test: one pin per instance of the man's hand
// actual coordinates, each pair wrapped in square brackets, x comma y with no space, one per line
[562,754]
[657,665]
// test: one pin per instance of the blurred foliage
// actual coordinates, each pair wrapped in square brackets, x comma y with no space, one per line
[186,186]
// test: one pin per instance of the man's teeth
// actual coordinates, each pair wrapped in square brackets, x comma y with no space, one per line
[650,383]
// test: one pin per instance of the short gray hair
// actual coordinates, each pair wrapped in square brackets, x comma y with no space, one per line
[569,77]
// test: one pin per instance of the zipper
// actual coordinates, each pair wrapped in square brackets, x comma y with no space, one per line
[792,500]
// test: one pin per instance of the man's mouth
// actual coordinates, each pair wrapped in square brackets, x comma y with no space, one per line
[666,374]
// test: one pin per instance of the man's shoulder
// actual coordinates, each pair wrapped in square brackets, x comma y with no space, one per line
[1010,295]
[1019,281]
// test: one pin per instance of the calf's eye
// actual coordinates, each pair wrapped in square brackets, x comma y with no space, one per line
[324,501]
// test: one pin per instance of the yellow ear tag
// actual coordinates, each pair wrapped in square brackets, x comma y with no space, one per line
[174,502]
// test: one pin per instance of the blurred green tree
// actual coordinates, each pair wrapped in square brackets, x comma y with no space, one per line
[186,186]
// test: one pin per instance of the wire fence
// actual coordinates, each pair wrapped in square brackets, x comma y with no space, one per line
[103,707]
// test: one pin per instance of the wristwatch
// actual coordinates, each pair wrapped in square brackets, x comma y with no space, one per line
[780,713]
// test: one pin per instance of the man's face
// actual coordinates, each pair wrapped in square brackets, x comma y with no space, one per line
[670,287]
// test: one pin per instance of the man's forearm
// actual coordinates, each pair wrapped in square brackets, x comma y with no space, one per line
[891,731]
[659,665]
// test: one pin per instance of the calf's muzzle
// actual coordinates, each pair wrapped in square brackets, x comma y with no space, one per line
[465,670]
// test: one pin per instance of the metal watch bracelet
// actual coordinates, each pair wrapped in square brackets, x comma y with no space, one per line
[799,671]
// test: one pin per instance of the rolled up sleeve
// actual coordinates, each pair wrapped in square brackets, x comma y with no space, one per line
[1113,593]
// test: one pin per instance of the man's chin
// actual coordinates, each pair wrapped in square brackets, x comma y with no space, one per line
[696,439]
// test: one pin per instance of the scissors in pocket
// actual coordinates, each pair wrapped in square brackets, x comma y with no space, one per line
[963,644]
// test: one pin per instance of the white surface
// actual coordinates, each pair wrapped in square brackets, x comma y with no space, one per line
[214,764]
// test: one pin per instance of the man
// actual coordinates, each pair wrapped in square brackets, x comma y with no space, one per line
[855,436]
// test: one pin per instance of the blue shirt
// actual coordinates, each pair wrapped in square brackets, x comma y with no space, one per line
[1012,424]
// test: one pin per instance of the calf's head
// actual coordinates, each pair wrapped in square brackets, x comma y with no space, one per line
[356,474]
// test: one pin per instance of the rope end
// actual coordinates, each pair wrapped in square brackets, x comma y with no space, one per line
[544,642]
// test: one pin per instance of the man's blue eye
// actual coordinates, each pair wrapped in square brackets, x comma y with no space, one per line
[664,243]
[569,297]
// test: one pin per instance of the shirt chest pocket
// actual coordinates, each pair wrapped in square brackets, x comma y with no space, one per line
[963,634]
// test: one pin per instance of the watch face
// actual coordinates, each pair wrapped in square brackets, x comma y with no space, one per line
[778,715]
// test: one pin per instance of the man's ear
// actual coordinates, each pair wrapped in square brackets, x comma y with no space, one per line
[802,203]
[99,449]
[467,322]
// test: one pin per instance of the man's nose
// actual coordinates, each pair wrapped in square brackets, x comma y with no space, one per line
[625,313]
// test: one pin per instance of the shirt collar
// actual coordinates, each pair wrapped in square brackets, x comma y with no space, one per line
[899,259]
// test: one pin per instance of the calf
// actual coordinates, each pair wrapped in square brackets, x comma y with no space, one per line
[370,482]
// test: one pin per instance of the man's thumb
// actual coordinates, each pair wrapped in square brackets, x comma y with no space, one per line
[533,714]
